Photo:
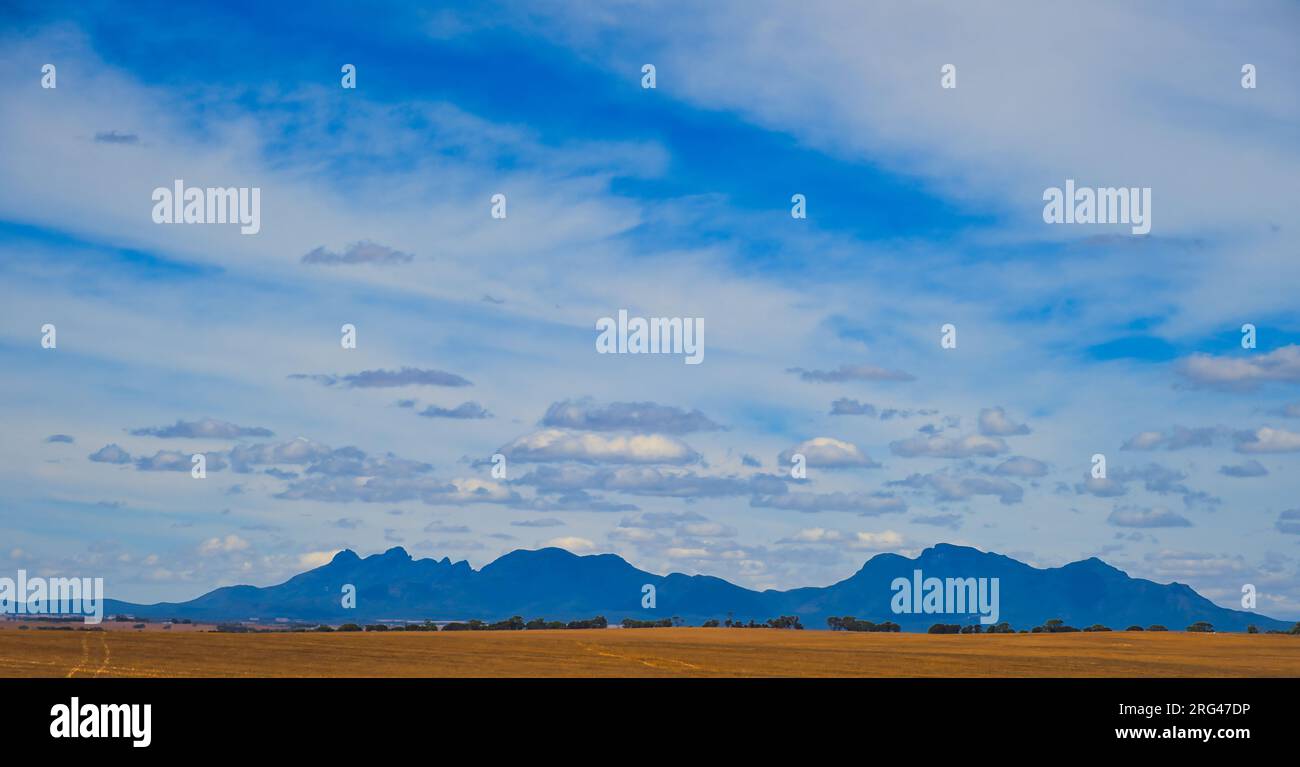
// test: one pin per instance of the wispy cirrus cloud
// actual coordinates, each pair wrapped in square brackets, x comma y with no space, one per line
[1289,410]
[584,415]
[952,487]
[865,504]
[542,522]
[1176,438]
[1251,468]
[382,379]
[209,428]
[364,252]
[669,482]
[463,411]
[940,446]
[116,137]
[1243,373]
[1020,466]
[1133,516]
[846,406]
[845,373]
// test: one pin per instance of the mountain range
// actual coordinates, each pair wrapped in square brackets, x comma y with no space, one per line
[555,584]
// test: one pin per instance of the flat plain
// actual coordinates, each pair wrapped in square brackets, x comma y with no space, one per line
[675,652]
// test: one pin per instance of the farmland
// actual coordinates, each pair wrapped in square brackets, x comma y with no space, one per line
[666,652]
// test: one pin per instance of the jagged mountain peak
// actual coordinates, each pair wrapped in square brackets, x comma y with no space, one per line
[557,584]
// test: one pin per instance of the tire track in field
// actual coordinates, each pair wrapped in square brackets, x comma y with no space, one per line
[85,657]
[660,666]
[103,641]
[11,662]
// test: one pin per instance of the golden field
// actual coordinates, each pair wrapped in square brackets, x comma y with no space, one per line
[679,652]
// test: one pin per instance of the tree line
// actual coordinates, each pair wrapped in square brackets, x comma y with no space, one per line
[1058,626]
[514,623]
[834,623]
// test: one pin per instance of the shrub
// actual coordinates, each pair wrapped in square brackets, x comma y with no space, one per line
[632,623]
[1055,626]
[515,623]
[849,623]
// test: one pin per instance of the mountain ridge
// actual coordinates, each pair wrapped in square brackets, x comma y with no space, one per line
[559,585]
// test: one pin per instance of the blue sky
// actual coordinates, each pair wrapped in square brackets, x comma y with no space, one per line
[924,208]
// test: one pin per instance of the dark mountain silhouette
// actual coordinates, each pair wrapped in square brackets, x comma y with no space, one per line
[558,585]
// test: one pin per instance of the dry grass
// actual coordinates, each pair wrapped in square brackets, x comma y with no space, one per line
[644,652]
